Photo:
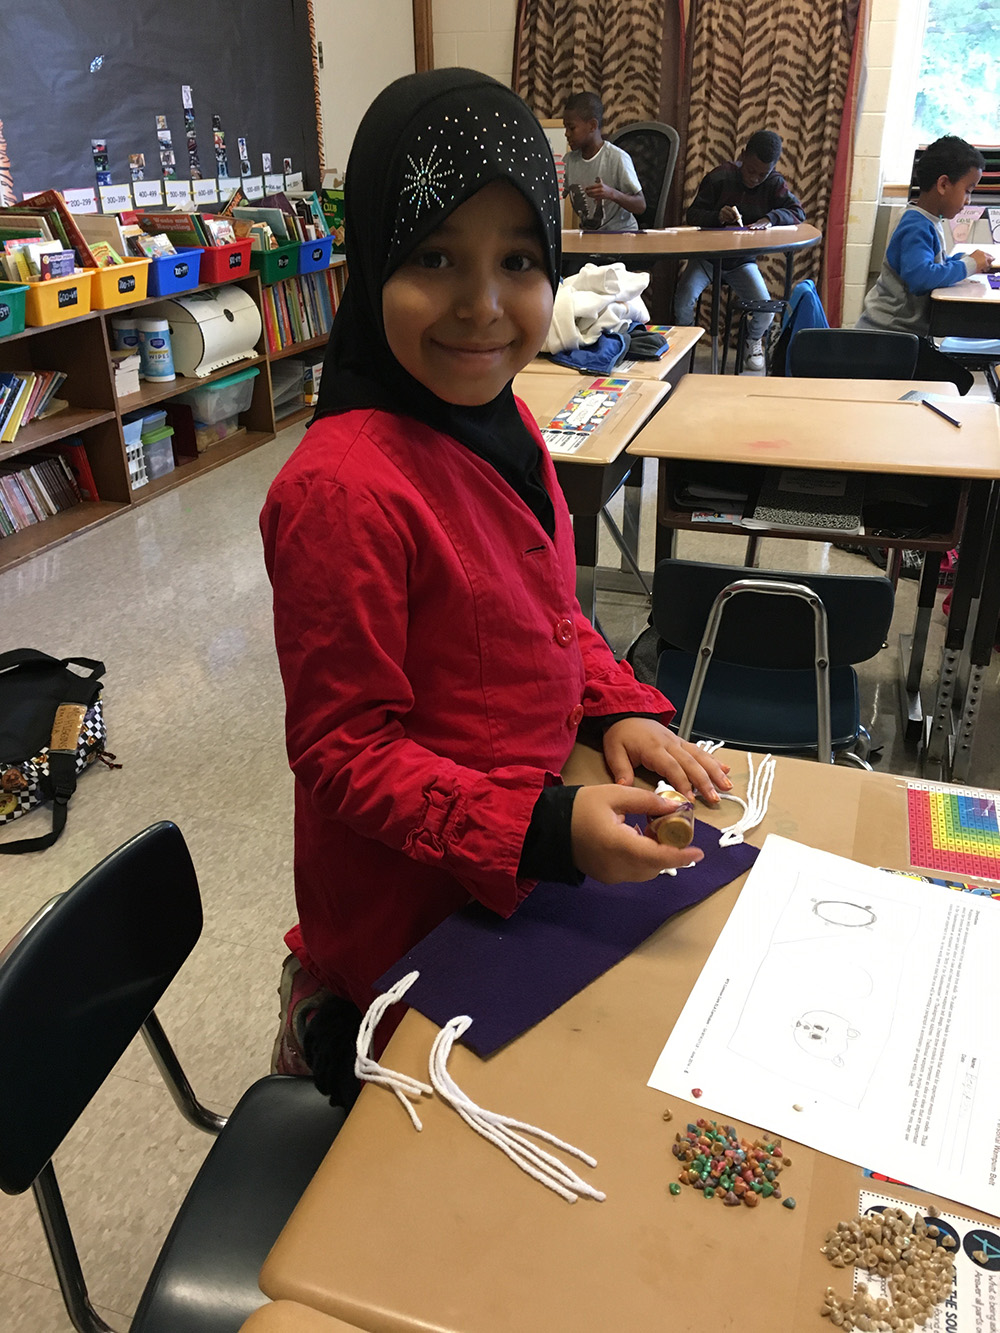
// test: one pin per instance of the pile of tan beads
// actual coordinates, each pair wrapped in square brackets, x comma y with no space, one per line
[916,1258]
[716,1161]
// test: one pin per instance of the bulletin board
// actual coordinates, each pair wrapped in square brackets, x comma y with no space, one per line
[105,71]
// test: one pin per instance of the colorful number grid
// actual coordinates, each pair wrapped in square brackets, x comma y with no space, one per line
[954,830]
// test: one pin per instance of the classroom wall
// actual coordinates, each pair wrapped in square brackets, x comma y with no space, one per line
[478,34]
[885,35]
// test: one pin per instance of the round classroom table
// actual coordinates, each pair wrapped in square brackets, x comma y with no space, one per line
[712,244]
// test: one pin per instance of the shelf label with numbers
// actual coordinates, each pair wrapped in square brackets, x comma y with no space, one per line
[80,201]
[115,198]
[147,193]
[293,180]
[253,187]
[178,193]
[205,191]
[274,182]
[228,185]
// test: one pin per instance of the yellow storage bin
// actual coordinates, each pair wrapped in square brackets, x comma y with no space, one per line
[119,284]
[58,298]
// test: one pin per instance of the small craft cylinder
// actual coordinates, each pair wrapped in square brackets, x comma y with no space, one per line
[156,358]
[677,828]
[126,333]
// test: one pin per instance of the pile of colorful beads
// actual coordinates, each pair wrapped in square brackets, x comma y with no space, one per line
[715,1160]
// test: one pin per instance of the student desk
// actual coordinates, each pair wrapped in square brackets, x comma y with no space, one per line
[439,1231]
[677,361]
[592,475]
[712,244]
[290,1317]
[852,425]
[969,309]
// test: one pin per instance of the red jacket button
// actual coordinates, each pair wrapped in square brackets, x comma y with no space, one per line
[576,716]
[564,632]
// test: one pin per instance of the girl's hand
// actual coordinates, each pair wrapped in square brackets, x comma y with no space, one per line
[984,262]
[641,742]
[608,849]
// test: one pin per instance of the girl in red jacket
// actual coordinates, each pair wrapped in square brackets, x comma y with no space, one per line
[437,667]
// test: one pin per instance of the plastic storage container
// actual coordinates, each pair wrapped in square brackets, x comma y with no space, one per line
[119,284]
[132,430]
[12,296]
[174,273]
[58,298]
[273,265]
[220,263]
[315,254]
[227,397]
[207,434]
[158,452]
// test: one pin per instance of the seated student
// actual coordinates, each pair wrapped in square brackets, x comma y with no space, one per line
[915,261]
[600,180]
[748,193]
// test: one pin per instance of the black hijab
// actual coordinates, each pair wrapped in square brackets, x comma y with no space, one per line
[427,144]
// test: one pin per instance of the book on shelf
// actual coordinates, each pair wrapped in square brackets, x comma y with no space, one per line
[74,452]
[802,498]
[59,264]
[299,309]
[34,487]
[51,207]
[182,230]
[27,395]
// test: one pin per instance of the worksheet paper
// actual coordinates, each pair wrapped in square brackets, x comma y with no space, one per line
[851,1010]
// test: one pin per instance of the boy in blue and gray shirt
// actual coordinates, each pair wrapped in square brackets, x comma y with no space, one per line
[600,180]
[915,261]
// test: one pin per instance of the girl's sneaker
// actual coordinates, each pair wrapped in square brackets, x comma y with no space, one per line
[300,995]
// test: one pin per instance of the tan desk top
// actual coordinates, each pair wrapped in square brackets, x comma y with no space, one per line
[682,242]
[974,288]
[855,425]
[290,1317]
[681,340]
[546,393]
[438,1231]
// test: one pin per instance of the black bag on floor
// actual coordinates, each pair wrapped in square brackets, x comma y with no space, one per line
[51,729]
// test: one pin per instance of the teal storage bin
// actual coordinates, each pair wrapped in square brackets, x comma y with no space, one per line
[12,299]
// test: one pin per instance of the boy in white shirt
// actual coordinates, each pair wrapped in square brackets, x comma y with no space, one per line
[600,180]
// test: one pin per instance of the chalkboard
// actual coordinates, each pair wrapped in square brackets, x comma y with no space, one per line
[105,70]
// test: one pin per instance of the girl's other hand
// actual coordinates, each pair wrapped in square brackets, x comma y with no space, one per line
[641,742]
[611,851]
[984,262]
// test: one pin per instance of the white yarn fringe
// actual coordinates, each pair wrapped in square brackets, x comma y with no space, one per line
[755,806]
[406,1089]
[502,1130]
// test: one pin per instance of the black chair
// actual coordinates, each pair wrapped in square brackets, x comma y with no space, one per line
[653,148]
[743,312]
[775,671]
[842,354]
[76,985]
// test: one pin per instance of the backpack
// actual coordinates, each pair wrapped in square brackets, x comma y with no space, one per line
[805,311]
[51,729]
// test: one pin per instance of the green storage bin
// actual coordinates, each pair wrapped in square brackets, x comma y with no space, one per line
[273,265]
[12,299]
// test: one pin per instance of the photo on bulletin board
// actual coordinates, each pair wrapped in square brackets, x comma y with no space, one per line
[109,82]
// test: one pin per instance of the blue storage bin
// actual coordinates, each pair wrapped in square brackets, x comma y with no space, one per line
[174,273]
[315,255]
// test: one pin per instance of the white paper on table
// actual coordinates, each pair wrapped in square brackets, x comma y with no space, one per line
[864,998]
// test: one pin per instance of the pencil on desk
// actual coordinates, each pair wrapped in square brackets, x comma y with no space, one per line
[933,408]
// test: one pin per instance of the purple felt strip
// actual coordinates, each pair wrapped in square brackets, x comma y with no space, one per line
[509,974]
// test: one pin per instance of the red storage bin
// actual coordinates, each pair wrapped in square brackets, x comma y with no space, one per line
[220,263]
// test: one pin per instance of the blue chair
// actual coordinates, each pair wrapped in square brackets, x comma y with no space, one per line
[764,660]
[76,986]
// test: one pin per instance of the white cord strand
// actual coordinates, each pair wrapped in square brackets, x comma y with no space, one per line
[501,1130]
[754,808]
[406,1089]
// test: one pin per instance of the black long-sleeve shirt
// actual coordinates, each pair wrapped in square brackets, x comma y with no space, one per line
[771,199]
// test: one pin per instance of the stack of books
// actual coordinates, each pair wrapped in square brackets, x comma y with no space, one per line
[301,308]
[27,395]
[34,488]
[30,258]
[46,217]
[291,215]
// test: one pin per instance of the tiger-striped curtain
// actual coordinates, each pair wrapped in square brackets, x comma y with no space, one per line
[779,65]
[610,47]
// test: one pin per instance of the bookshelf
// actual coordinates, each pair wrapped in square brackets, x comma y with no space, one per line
[82,348]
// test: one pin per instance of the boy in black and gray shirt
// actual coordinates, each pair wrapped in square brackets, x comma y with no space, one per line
[600,180]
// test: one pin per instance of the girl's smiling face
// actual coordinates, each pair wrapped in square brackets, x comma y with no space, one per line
[471,306]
